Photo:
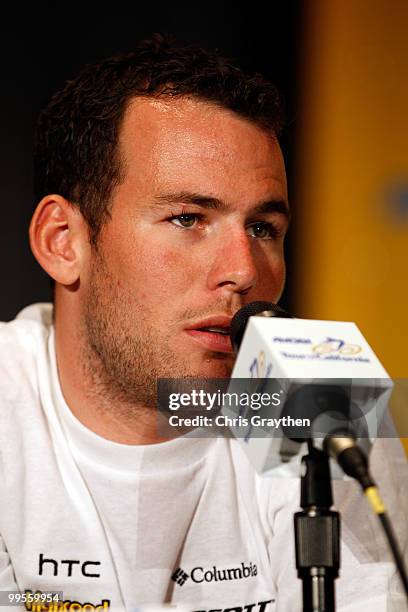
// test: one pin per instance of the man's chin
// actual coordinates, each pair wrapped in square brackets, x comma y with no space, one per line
[217,366]
[210,365]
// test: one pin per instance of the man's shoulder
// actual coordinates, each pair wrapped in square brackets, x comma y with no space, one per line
[40,313]
[33,320]
[22,342]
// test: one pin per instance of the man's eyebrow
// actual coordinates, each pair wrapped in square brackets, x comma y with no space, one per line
[273,206]
[209,202]
[187,197]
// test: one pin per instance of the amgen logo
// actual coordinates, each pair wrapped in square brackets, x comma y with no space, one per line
[291,340]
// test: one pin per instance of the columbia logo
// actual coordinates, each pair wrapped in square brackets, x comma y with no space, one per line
[180,576]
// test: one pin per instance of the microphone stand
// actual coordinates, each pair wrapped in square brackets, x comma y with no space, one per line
[317,534]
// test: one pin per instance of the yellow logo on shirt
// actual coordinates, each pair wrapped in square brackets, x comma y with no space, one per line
[33,604]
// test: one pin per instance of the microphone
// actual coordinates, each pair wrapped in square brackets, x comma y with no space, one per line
[324,369]
[327,373]
[260,309]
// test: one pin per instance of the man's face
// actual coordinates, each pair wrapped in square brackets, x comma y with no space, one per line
[196,233]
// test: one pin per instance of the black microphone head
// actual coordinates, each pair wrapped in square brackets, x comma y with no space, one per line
[240,320]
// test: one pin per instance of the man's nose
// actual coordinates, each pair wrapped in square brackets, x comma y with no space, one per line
[233,263]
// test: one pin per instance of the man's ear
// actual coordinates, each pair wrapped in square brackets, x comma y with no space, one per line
[59,238]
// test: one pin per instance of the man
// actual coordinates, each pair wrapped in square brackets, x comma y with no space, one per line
[162,210]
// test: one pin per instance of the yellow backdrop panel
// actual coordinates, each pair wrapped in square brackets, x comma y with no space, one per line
[351,230]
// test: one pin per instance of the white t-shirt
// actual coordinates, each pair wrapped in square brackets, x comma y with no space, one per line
[186,522]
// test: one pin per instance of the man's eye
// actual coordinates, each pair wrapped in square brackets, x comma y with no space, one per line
[185,220]
[265,231]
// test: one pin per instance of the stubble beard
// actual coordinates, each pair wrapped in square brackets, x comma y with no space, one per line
[123,355]
[122,360]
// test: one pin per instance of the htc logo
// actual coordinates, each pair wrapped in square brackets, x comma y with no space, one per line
[67,567]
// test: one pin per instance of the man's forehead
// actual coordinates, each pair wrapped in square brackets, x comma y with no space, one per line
[193,123]
[184,144]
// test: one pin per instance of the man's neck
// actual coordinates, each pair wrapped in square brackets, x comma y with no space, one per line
[87,394]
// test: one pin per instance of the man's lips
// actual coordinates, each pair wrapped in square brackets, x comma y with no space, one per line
[205,332]
[211,340]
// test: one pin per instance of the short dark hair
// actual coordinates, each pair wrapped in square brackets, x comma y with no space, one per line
[76,153]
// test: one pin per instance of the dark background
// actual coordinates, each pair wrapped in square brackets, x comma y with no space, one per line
[40,50]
